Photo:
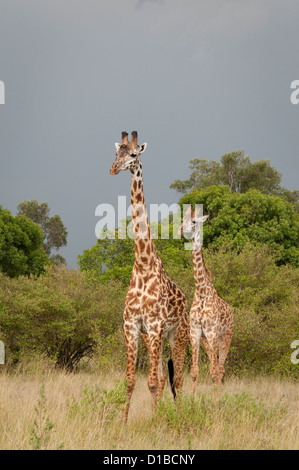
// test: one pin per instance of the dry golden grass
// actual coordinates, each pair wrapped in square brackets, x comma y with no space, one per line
[63,421]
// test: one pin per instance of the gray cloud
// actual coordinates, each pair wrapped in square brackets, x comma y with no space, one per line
[142,2]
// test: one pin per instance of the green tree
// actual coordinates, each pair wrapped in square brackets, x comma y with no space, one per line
[288,195]
[262,176]
[204,173]
[114,258]
[21,245]
[55,233]
[109,258]
[237,218]
[234,170]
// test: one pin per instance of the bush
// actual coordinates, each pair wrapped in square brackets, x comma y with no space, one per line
[105,403]
[192,416]
[56,315]
[264,298]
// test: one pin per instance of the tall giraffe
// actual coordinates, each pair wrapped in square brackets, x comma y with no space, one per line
[154,305]
[211,318]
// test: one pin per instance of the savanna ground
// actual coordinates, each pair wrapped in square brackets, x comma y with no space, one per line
[41,408]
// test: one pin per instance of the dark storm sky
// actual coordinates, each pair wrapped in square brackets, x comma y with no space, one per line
[196,78]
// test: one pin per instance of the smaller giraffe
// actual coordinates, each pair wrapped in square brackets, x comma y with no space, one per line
[211,318]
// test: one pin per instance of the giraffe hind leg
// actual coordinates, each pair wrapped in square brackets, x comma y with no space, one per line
[224,344]
[214,366]
[206,345]
[161,371]
[195,337]
[155,381]
[180,341]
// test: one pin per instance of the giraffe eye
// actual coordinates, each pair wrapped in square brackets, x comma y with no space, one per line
[133,155]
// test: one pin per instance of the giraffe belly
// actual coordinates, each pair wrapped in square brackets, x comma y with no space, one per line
[155,324]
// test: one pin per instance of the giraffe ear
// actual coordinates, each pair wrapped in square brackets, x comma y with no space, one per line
[142,147]
[117,145]
[197,216]
[203,219]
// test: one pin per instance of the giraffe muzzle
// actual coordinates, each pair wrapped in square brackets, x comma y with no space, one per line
[114,170]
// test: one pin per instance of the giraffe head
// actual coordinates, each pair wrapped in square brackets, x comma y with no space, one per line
[192,222]
[127,154]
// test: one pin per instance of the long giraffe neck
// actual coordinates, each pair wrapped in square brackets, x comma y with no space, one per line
[202,275]
[144,247]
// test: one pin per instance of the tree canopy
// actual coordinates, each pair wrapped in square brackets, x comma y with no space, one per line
[21,245]
[237,172]
[254,217]
[54,231]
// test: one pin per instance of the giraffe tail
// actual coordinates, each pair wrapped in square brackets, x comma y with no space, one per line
[171,375]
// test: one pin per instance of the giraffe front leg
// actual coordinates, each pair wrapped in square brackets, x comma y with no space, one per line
[131,331]
[155,363]
[195,336]
[161,371]
[178,349]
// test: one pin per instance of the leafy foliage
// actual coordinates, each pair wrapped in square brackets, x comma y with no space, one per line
[250,217]
[42,426]
[21,247]
[55,315]
[109,259]
[195,416]
[107,404]
[236,171]
[55,233]
[114,258]
[264,298]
